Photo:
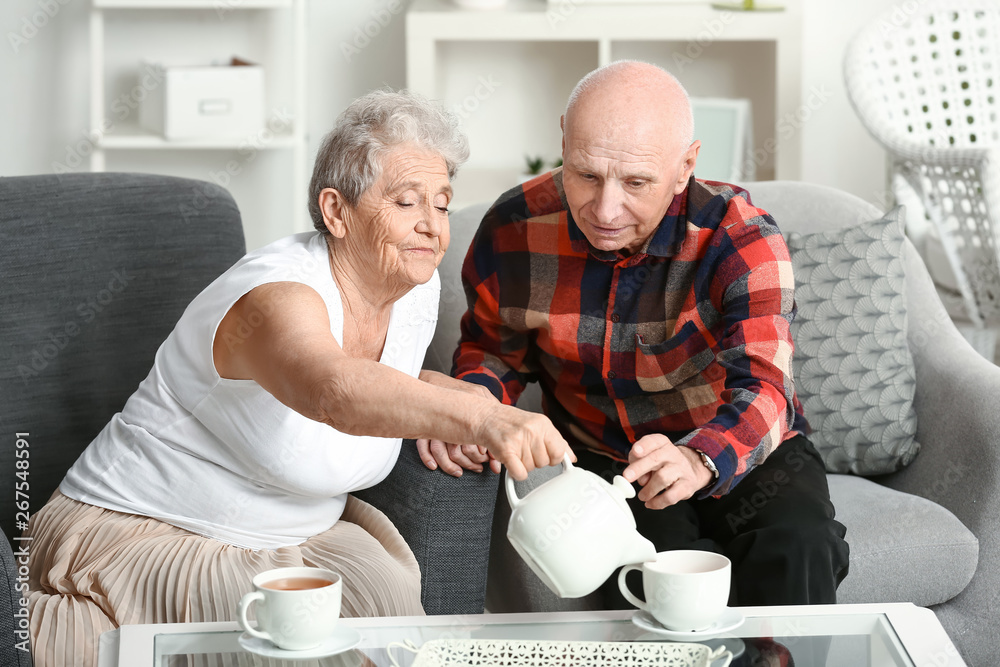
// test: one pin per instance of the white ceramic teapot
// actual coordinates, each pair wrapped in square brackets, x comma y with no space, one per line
[575,529]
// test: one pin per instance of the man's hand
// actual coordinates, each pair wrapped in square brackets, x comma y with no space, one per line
[504,435]
[454,458]
[450,457]
[667,473]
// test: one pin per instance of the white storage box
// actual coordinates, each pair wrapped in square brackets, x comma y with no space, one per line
[216,101]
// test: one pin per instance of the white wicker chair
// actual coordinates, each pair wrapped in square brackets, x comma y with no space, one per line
[925,80]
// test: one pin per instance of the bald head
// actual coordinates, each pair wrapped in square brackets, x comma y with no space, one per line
[628,149]
[634,97]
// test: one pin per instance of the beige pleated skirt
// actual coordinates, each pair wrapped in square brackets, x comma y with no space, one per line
[93,569]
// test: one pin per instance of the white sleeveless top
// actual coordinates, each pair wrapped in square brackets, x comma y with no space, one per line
[224,458]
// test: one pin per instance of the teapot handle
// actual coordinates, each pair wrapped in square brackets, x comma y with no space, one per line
[512,498]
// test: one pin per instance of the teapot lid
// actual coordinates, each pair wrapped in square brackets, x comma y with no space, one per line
[625,489]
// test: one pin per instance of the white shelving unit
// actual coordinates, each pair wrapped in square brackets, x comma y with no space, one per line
[286,63]
[558,42]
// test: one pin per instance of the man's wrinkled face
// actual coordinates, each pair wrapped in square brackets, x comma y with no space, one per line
[621,174]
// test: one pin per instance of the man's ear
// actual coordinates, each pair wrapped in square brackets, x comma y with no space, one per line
[334,208]
[562,126]
[687,167]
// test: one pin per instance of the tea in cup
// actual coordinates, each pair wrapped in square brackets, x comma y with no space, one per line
[297,607]
[685,590]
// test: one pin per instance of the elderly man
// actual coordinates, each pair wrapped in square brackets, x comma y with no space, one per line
[654,310]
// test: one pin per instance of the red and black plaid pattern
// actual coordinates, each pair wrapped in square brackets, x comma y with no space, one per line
[688,337]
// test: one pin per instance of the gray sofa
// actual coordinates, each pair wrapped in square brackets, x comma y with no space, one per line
[63,236]
[913,534]
[75,342]
[95,270]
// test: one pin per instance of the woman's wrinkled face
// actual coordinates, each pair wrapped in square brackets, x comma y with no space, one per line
[403,218]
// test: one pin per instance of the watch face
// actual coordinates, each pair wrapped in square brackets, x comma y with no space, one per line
[709,464]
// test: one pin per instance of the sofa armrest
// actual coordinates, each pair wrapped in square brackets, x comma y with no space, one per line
[957,416]
[958,427]
[446,522]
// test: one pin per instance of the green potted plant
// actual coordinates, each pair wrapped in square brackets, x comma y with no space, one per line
[535,165]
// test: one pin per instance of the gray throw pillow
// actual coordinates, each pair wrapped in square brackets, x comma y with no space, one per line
[853,369]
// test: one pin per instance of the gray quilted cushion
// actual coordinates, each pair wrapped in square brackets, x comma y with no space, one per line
[853,369]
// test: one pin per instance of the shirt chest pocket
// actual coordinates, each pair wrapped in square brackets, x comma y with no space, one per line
[673,363]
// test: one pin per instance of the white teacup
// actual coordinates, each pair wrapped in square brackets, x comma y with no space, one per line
[298,607]
[685,590]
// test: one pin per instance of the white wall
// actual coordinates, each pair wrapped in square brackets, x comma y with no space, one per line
[44,94]
[837,151]
[43,106]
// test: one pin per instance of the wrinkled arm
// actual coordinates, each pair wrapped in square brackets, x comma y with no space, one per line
[294,356]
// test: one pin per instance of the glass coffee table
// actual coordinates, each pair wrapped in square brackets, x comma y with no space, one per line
[869,635]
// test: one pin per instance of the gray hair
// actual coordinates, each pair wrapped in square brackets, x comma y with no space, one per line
[684,115]
[350,157]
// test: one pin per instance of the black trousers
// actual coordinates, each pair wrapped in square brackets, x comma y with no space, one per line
[777,527]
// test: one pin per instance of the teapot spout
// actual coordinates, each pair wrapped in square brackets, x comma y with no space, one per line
[639,550]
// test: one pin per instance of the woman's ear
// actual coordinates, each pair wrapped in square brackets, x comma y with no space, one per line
[334,208]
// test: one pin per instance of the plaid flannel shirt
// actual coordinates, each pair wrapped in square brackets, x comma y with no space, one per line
[688,337]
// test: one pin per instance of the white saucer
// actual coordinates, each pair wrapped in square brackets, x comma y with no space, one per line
[342,639]
[730,620]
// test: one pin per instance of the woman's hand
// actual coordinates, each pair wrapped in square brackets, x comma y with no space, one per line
[521,440]
[518,439]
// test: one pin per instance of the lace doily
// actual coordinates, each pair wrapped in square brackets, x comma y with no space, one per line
[526,653]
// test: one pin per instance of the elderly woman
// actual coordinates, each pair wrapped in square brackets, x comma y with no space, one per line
[287,383]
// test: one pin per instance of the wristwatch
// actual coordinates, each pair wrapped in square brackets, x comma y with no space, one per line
[709,463]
